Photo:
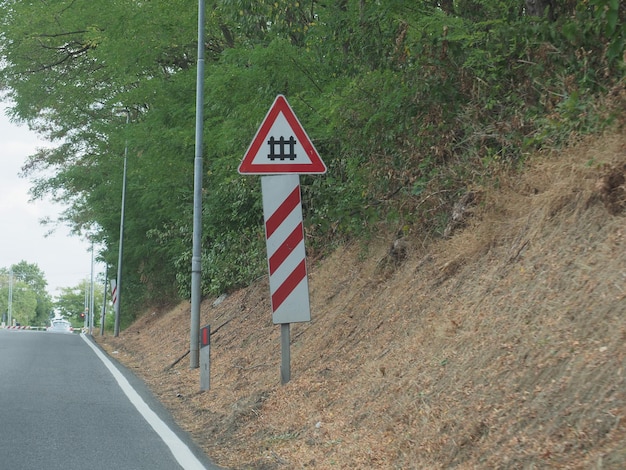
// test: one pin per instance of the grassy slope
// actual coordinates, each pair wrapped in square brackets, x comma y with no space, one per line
[502,347]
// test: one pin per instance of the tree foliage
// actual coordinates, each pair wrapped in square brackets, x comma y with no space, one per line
[407,102]
[31,304]
[70,303]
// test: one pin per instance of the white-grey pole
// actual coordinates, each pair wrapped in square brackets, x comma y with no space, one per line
[86,310]
[10,308]
[104,300]
[91,295]
[118,281]
[285,354]
[196,255]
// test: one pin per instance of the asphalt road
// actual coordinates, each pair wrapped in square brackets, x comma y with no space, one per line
[62,407]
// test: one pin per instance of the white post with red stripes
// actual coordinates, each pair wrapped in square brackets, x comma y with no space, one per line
[114,297]
[286,258]
[284,234]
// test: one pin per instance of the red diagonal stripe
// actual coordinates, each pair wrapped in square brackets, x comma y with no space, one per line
[280,214]
[287,287]
[286,248]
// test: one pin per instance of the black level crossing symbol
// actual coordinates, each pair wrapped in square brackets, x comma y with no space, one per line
[282,143]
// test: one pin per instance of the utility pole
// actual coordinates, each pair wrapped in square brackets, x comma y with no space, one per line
[196,255]
[104,299]
[91,296]
[116,328]
[10,310]
[86,311]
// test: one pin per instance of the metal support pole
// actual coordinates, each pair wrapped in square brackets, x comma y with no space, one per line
[116,328]
[196,255]
[10,306]
[86,310]
[91,295]
[285,354]
[104,300]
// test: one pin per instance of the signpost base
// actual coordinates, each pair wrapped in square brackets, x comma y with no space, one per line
[285,360]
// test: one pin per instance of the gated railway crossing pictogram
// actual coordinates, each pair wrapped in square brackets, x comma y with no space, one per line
[281,143]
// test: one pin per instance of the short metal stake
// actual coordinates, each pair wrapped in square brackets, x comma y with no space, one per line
[285,364]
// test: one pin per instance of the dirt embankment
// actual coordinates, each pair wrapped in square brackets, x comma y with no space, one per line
[503,346]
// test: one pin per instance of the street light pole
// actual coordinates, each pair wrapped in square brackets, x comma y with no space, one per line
[104,299]
[86,309]
[91,295]
[116,328]
[10,308]
[196,255]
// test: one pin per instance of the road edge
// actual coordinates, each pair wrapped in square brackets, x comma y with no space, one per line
[186,452]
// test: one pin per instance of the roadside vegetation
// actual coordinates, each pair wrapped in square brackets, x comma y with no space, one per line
[502,346]
[410,104]
[25,286]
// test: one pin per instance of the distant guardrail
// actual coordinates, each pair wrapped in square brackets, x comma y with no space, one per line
[28,327]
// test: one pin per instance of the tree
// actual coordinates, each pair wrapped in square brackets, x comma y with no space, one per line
[26,300]
[34,278]
[31,302]
[407,102]
[70,303]
[72,68]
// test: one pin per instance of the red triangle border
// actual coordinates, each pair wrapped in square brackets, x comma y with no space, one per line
[280,105]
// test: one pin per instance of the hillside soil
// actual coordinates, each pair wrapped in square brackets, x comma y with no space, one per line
[502,346]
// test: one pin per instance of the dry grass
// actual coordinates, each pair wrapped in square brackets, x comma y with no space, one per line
[502,347]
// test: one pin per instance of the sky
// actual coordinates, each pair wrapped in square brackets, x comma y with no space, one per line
[64,259]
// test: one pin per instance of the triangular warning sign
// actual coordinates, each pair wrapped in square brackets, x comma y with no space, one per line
[281,146]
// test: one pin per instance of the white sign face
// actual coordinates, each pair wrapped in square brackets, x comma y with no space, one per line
[286,256]
[281,146]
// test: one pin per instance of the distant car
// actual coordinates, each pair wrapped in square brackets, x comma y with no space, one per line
[60,326]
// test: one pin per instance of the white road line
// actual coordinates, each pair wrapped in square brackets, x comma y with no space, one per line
[179,449]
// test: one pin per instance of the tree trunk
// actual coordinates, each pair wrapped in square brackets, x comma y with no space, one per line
[540,8]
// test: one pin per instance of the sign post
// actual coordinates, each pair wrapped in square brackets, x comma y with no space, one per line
[281,151]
